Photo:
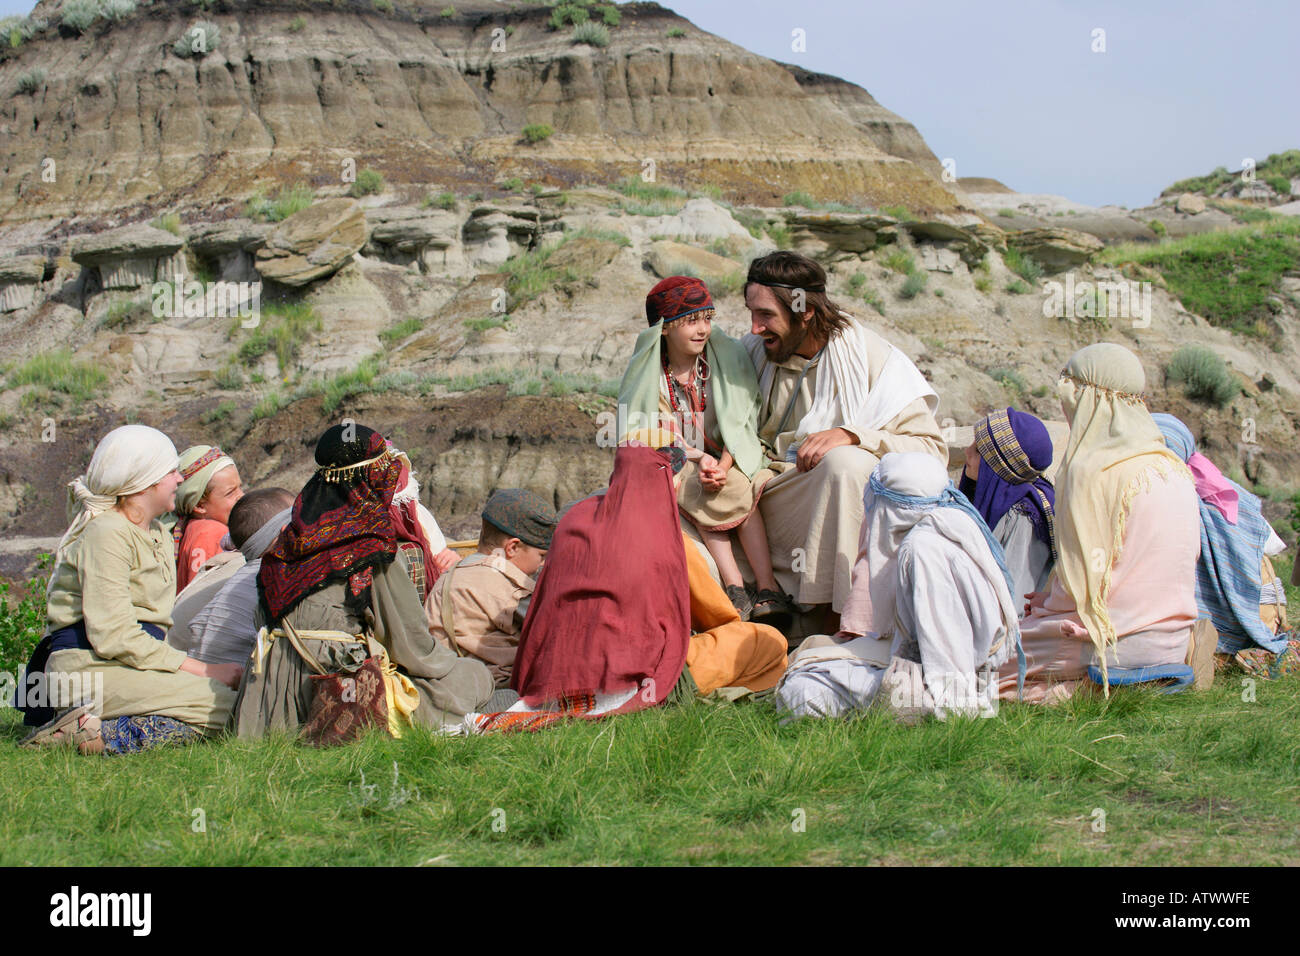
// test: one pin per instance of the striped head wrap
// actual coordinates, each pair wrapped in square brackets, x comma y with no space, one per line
[1015,449]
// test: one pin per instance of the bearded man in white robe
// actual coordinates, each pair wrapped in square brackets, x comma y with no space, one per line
[836,397]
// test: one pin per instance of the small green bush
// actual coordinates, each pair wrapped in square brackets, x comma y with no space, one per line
[199,40]
[536,132]
[79,14]
[1023,265]
[116,10]
[297,23]
[169,222]
[1009,378]
[22,624]
[1203,375]
[983,283]
[857,282]
[901,213]
[368,182]
[899,260]
[17,30]
[447,12]
[912,285]
[383,6]
[491,322]
[592,34]
[1159,228]
[1017,287]
[1006,212]
[675,32]
[31,81]
[269,405]
[229,377]
[513,184]
[779,233]
[289,200]
[1280,184]
[219,414]
[402,330]
[58,372]
[444,200]
[799,198]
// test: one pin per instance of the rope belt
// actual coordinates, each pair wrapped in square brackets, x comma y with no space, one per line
[402,696]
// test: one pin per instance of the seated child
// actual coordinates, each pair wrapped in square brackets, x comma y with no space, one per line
[700,384]
[478,607]
[209,490]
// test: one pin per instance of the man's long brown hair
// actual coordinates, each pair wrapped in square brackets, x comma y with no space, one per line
[790,268]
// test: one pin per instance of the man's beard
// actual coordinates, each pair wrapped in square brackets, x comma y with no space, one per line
[790,343]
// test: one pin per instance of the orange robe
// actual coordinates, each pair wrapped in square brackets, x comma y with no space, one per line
[200,540]
[726,651]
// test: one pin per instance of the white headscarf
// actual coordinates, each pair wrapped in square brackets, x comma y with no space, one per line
[887,522]
[127,460]
[841,395]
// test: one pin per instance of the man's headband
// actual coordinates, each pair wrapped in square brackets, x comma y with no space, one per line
[786,285]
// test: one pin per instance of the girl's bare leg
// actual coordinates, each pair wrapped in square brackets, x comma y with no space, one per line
[753,538]
[719,545]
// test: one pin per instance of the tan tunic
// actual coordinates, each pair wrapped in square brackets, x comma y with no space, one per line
[813,517]
[486,598]
[709,510]
[116,575]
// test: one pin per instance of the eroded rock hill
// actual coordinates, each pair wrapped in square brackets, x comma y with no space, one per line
[298,89]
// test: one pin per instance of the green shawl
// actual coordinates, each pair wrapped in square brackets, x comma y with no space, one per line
[734,389]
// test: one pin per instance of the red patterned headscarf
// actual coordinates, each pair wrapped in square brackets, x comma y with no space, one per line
[341,528]
[675,298]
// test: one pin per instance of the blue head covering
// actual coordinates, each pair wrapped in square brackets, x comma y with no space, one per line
[1228,571]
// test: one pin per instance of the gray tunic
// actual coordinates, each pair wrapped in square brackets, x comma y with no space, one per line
[280,697]
[1029,558]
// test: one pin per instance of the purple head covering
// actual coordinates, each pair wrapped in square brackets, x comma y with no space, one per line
[1014,449]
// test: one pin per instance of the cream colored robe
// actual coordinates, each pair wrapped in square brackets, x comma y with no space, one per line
[813,517]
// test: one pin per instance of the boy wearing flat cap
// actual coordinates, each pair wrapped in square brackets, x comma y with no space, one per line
[478,607]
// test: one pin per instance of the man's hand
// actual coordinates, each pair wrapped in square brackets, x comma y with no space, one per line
[228,674]
[814,448]
[445,560]
[1035,600]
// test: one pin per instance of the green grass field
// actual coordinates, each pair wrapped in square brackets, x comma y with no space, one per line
[1186,778]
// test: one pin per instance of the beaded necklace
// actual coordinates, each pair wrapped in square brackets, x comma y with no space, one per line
[695,393]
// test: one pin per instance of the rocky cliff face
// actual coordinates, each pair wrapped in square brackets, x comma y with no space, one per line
[485,330]
[426,99]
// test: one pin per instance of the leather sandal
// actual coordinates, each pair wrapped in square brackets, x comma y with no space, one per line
[773,608]
[64,729]
[740,601]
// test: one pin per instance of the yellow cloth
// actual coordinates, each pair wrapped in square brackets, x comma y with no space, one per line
[1114,448]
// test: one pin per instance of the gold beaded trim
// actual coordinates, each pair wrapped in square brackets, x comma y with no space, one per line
[336,473]
[1128,397]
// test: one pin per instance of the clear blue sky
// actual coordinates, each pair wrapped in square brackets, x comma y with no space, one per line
[1013,90]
